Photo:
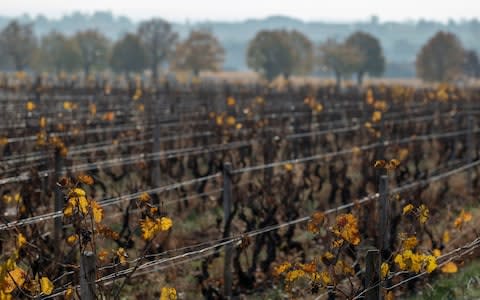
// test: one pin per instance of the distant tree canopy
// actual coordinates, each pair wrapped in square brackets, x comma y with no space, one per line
[340,58]
[277,52]
[18,43]
[270,54]
[128,54]
[302,50]
[159,41]
[59,53]
[373,60]
[93,47]
[441,58]
[200,51]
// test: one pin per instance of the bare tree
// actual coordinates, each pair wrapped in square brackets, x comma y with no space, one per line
[18,42]
[93,48]
[159,41]
[441,58]
[340,58]
[200,51]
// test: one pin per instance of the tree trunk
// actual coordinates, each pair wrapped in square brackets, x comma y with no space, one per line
[360,78]
[155,71]
[338,81]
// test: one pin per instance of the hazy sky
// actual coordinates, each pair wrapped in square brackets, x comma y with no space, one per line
[195,10]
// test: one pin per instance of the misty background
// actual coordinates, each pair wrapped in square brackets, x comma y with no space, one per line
[401,40]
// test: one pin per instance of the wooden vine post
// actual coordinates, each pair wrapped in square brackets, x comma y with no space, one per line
[227,210]
[87,276]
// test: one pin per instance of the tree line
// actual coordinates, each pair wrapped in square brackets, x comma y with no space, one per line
[271,53]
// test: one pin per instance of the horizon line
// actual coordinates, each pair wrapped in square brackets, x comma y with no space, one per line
[368,19]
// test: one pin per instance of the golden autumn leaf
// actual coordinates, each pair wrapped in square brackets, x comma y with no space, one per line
[168,293]
[14,279]
[389,296]
[69,293]
[164,223]
[423,213]
[379,164]
[231,121]
[446,237]
[376,116]
[407,208]
[83,205]
[86,179]
[46,285]
[385,269]
[72,239]
[231,101]
[42,122]
[97,211]
[30,106]
[288,167]
[21,240]
[122,255]
[449,267]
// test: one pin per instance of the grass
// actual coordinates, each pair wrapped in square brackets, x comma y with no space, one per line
[462,285]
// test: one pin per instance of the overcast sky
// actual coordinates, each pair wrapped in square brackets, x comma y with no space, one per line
[201,10]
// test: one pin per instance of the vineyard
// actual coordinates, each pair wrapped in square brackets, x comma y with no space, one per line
[116,188]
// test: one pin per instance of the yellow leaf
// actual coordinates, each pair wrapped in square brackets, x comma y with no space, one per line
[30,106]
[446,237]
[14,279]
[385,268]
[294,275]
[165,223]
[377,116]
[88,180]
[68,210]
[450,267]
[149,228]
[144,197]
[46,285]
[69,293]
[423,214]
[21,240]
[431,263]
[122,255]
[83,205]
[407,208]
[389,296]
[409,243]
[231,121]
[168,293]
[72,239]
[379,164]
[231,101]
[436,252]
[288,167]
[3,141]
[318,107]
[281,268]
[42,122]
[97,211]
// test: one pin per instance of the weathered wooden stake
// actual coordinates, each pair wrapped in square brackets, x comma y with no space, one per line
[58,205]
[155,170]
[87,276]
[470,149]
[227,210]
[383,214]
[372,275]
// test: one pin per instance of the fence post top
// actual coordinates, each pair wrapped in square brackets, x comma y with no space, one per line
[87,253]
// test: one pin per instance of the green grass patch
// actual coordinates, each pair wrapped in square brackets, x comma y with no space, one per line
[462,285]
